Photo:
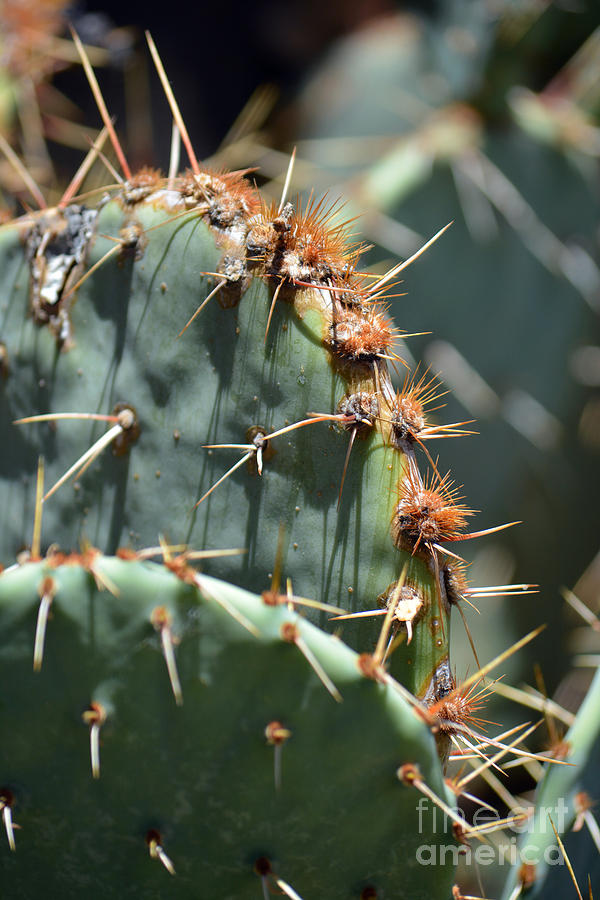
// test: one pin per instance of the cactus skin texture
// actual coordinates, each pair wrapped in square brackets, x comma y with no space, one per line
[200,773]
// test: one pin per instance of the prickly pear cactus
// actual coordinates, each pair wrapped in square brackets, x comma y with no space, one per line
[199,368]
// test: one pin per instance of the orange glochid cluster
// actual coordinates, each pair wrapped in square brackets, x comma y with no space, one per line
[361,408]
[459,707]
[429,511]
[141,185]
[228,198]
[310,248]
[407,412]
[361,333]
[303,246]
[455,581]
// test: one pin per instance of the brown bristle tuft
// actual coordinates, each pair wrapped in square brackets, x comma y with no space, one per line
[227,197]
[362,333]
[267,236]
[461,834]
[275,733]
[459,708]
[408,409]
[262,866]
[455,581]
[142,184]
[272,598]
[86,559]
[429,511]
[409,773]
[181,569]
[527,875]
[289,632]
[305,246]
[160,617]
[126,553]
[320,243]
[370,667]
[363,407]
[368,893]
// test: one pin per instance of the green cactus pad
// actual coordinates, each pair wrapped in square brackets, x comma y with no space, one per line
[198,777]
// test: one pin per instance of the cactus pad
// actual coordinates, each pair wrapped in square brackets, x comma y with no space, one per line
[252,770]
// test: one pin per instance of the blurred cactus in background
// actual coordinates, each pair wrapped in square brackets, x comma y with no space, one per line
[39,115]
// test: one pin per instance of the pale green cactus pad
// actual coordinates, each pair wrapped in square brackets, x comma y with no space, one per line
[195,773]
